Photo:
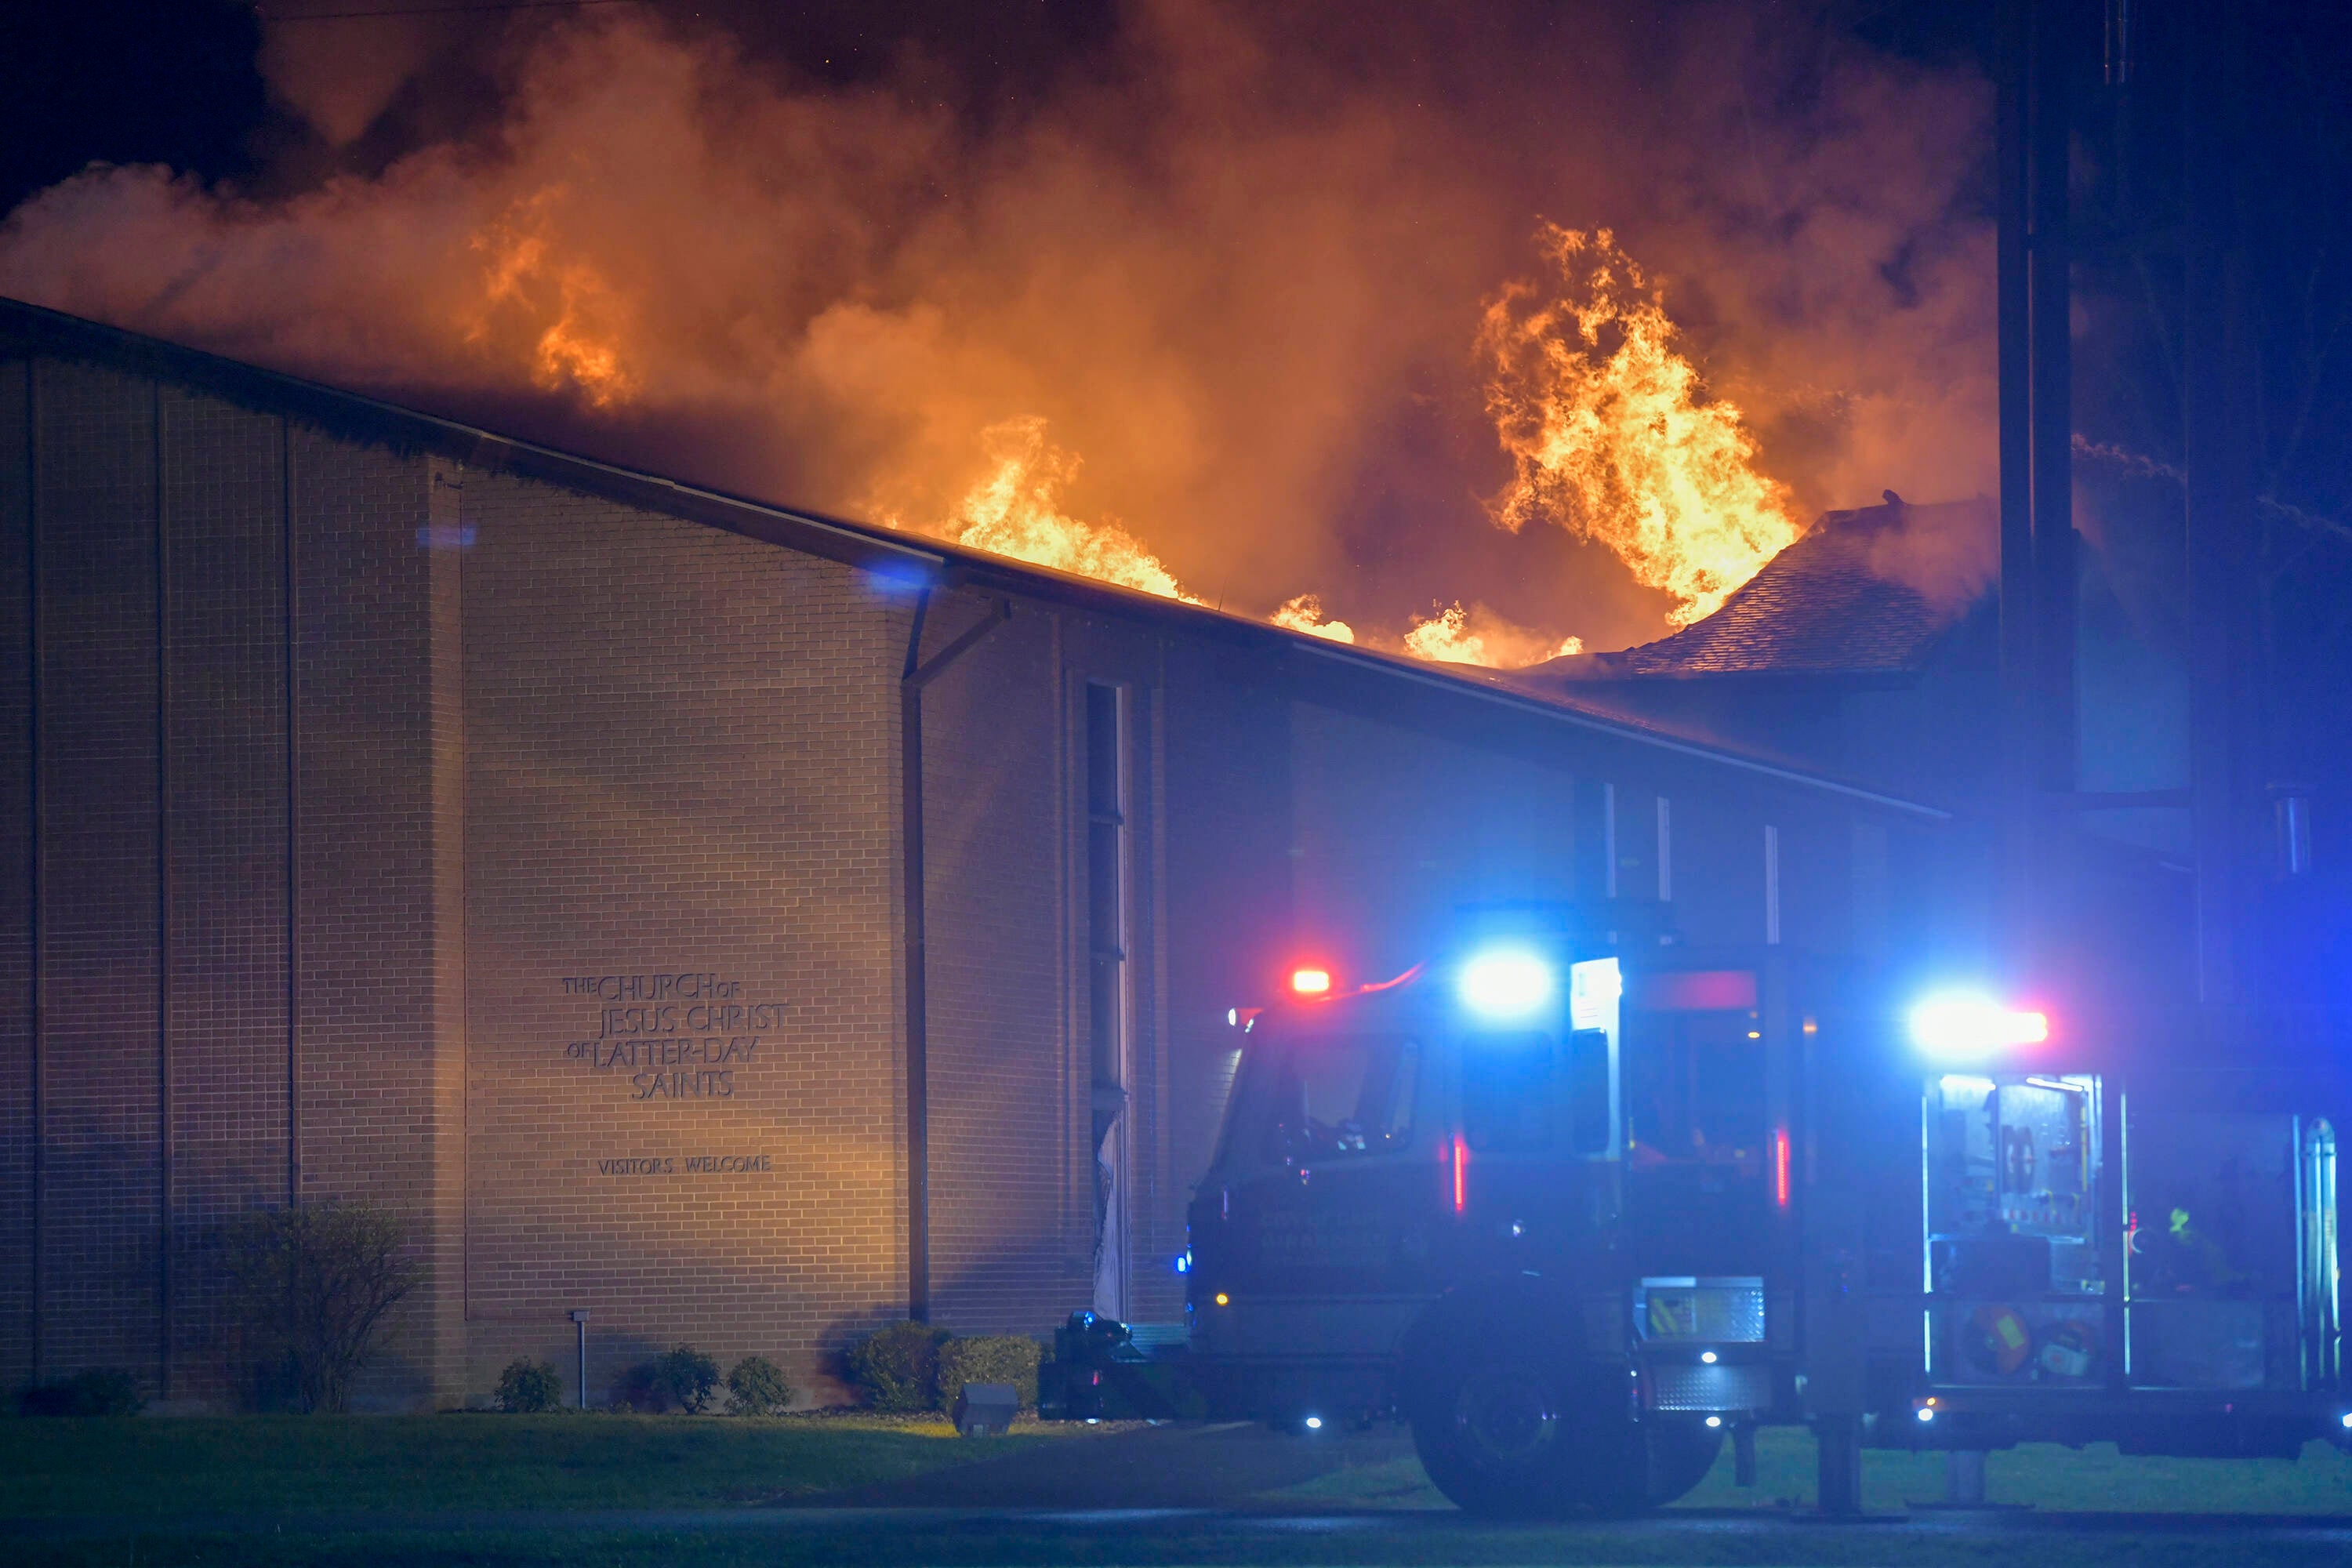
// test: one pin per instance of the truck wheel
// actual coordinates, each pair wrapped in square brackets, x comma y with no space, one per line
[1509,1434]
[1681,1454]
[1488,1431]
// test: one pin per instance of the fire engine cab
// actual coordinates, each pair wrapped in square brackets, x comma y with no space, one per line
[1579,1214]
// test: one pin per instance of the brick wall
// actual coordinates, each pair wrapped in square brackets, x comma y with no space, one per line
[95,500]
[1228,877]
[225,628]
[380,1037]
[570,775]
[681,759]
[16,749]
[1010,1248]
[1396,828]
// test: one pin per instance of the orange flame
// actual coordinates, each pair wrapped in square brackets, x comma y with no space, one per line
[1610,436]
[1016,510]
[1449,637]
[1304,614]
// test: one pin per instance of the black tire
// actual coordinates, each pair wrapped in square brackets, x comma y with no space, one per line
[1681,1454]
[1488,1431]
[1507,1432]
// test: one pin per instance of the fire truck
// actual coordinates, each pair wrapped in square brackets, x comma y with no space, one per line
[1581,1213]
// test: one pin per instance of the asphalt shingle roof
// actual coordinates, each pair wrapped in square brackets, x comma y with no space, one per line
[1834,603]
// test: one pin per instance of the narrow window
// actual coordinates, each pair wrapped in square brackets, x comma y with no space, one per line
[1105,882]
[1609,840]
[1666,850]
[1772,885]
[1107,943]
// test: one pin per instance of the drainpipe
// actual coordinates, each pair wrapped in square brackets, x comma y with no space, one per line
[912,678]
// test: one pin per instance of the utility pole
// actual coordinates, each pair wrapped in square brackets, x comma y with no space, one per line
[2217,399]
[2035,252]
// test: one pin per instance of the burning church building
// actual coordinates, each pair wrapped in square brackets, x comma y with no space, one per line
[740,926]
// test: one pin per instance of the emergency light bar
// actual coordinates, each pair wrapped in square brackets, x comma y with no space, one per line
[1505,984]
[1970,1028]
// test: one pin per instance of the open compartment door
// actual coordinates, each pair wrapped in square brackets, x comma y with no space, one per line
[2015,1184]
[2220,1242]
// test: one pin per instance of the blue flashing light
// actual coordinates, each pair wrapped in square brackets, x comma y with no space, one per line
[1315,1422]
[1510,983]
[2347,1420]
[1967,1026]
[1184,1261]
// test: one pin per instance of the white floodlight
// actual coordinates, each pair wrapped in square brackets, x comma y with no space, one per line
[1963,1026]
[1508,983]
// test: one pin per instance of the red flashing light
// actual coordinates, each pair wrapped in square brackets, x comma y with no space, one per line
[1310,981]
[1781,1166]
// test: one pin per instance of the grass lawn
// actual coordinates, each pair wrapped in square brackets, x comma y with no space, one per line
[2095,1480]
[151,1468]
[153,1485]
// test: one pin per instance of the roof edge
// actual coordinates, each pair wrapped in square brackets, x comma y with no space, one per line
[28,329]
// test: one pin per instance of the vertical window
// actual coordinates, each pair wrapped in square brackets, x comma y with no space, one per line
[1106,883]
[1609,840]
[1666,850]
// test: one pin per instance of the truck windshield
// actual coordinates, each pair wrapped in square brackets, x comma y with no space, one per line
[1325,1096]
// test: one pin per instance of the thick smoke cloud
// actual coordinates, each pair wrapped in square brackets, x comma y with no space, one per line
[1228,271]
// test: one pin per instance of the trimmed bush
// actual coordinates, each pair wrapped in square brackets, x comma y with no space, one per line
[757,1387]
[529,1387]
[687,1377]
[988,1358]
[100,1391]
[640,1390]
[897,1368]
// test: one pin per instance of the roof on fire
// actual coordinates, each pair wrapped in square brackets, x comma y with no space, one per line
[1870,592]
[29,330]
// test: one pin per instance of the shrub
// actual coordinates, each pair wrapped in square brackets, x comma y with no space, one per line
[640,1389]
[309,1288]
[100,1391]
[527,1387]
[689,1377]
[988,1358]
[757,1387]
[898,1367]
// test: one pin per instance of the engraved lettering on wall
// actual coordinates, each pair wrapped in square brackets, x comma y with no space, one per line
[676,1036]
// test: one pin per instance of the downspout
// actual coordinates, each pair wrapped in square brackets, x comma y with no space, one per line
[915,676]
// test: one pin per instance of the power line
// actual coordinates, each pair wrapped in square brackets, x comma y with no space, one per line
[442,10]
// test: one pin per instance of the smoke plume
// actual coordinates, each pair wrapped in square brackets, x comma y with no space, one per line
[1202,314]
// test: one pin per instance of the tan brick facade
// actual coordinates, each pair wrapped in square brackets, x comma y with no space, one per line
[529,860]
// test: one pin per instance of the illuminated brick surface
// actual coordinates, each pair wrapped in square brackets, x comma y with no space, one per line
[596,962]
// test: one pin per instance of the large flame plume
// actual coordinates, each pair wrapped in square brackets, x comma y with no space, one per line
[1190,319]
[1611,436]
